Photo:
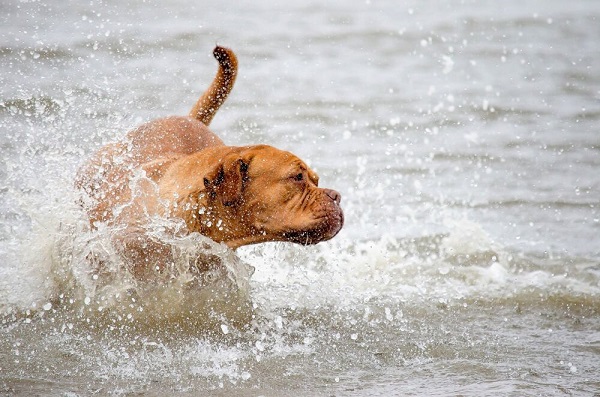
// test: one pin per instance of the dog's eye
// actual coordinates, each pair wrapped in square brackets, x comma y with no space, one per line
[299,177]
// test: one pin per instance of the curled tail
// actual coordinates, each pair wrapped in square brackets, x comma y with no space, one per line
[208,104]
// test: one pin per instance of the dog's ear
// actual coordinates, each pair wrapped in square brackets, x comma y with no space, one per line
[226,181]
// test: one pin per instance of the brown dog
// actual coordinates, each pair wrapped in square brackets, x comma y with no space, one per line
[176,167]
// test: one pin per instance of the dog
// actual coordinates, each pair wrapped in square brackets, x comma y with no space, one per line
[177,168]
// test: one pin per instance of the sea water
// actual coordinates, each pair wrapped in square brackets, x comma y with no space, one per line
[462,135]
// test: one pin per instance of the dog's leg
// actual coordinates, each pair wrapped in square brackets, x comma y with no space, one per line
[144,256]
[208,104]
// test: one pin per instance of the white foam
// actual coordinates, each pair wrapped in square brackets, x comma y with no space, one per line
[57,260]
[463,264]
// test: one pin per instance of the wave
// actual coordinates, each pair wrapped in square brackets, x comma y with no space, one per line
[65,266]
[462,266]
[47,53]
[68,269]
[520,203]
[42,106]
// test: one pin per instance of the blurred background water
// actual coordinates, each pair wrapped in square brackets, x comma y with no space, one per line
[463,136]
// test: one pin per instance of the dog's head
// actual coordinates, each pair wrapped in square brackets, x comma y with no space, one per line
[264,194]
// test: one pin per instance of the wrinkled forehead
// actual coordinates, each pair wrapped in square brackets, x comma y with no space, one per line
[268,159]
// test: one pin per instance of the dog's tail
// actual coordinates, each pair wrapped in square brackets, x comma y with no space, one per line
[208,104]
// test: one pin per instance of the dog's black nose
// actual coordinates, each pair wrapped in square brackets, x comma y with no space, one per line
[335,196]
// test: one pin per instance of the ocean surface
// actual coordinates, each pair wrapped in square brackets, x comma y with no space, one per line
[463,136]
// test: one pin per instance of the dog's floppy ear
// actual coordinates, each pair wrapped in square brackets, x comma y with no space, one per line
[226,181]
